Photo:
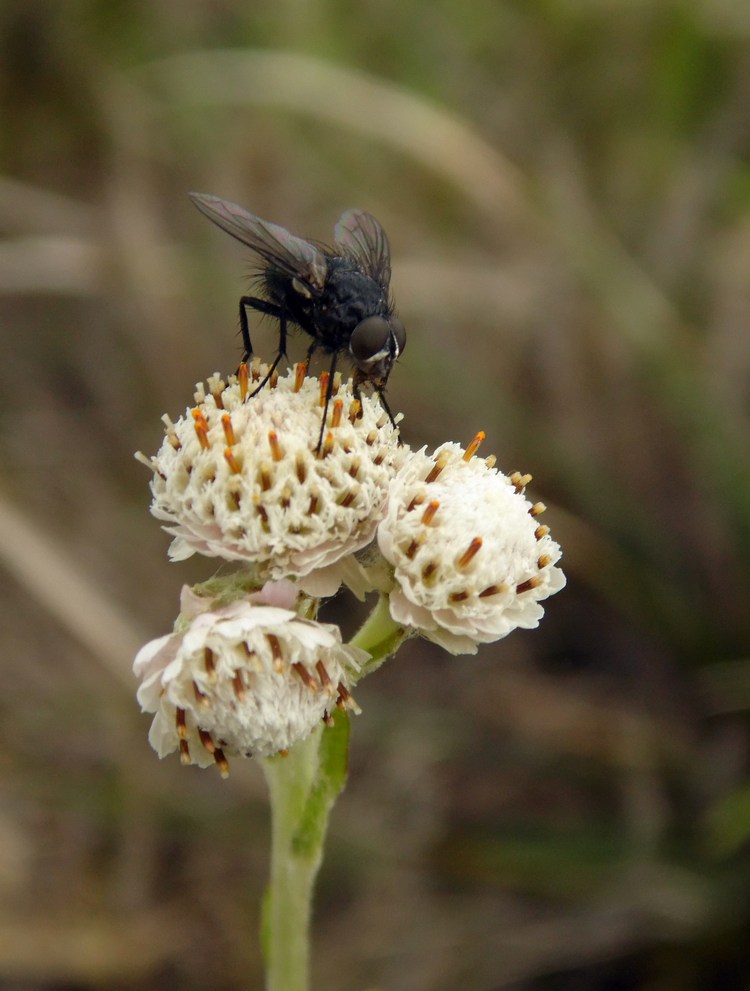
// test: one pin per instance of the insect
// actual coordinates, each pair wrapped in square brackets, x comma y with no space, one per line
[337,295]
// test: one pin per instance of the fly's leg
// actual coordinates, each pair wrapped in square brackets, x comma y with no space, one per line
[359,378]
[329,393]
[271,310]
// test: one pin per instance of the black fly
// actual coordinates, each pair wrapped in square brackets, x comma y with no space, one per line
[339,296]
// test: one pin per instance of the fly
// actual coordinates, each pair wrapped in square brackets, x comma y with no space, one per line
[339,296]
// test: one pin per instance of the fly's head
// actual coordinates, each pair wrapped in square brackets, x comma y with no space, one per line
[376,342]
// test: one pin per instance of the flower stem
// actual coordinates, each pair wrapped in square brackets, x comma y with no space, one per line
[303,787]
[380,636]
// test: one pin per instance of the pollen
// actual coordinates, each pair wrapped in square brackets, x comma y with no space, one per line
[201,429]
[277,452]
[327,447]
[278,657]
[519,481]
[207,740]
[470,553]
[338,408]
[345,699]
[239,686]
[530,583]
[414,546]
[265,478]
[243,379]
[232,461]
[429,514]
[324,377]
[300,371]
[180,723]
[305,677]
[537,509]
[325,678]
[429,571]
[216,386]
[440,462]
[226,423]
[473,447]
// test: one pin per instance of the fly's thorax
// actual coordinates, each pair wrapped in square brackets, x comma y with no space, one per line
[349,296]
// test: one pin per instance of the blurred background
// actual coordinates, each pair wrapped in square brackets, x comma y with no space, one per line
[566,187]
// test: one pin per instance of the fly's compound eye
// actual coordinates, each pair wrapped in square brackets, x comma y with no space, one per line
[398,331]
[369,340]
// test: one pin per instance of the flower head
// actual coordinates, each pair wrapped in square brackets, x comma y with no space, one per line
[243,679]
[241,478]
[471,562]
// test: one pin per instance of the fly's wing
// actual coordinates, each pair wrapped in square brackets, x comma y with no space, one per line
[294,257]
[361,238]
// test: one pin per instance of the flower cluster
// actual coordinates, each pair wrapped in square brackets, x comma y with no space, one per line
[452,544]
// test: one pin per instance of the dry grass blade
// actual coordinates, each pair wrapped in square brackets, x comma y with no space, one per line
[38,563]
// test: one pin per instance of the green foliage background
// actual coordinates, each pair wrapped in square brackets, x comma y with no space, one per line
[566,187]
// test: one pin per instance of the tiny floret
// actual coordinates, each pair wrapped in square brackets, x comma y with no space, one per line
[240,476]
[243,679]
[470,559]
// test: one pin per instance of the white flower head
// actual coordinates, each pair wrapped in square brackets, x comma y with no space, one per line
[240,476]
[243,679]
[471,561]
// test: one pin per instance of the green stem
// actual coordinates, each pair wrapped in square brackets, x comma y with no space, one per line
[380,636]
[303,787]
